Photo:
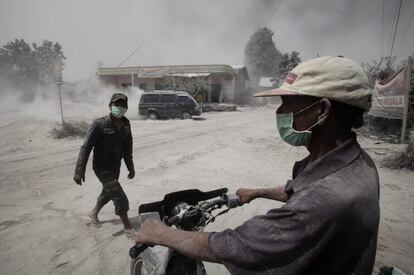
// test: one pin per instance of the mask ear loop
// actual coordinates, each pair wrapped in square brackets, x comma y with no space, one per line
[310,106]
[319,121]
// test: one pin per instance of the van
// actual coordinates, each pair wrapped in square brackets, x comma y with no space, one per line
[168,104]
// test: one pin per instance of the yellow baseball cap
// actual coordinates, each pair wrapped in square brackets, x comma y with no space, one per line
[332,77]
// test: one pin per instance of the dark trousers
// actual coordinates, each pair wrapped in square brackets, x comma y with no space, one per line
[112,190]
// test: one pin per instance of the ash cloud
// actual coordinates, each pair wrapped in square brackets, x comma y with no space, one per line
[201,31]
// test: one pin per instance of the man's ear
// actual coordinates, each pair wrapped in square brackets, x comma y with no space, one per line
[325,111]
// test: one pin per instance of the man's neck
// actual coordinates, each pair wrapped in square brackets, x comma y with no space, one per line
[322,143]
[118,122]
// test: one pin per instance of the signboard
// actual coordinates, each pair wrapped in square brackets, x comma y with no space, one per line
[153,72]
[389,97]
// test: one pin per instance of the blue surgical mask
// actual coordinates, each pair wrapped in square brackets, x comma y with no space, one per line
[289,134]
[118,111]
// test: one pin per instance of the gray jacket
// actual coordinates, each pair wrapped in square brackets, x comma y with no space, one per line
[109,145]
[329,224]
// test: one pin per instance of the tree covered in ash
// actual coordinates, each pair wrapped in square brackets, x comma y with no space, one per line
[24,66]
[18,63]
[261,55]
[263,59]
[50,58]
[379,70]
[286,64]
[197,86]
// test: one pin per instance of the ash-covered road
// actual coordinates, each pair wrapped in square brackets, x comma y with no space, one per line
[43,213]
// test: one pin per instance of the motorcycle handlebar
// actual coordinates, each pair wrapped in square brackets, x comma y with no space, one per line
[231,201]
[137,249]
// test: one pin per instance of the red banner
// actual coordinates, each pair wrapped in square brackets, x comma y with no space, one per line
[390,95]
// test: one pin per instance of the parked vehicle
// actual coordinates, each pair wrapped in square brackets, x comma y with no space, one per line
[190,210]
[168,104]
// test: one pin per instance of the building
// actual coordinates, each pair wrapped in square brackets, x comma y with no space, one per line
[220,83]
[265,83]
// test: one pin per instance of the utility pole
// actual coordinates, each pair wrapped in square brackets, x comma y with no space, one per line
[57,73]
[60,101]
[406,101]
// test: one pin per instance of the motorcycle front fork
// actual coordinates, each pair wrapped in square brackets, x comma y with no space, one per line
[201,269]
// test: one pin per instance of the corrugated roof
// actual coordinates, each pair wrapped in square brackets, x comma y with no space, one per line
[159,71]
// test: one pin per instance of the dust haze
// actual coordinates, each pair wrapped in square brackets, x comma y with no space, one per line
[203,32]
[229,149]
[103,33]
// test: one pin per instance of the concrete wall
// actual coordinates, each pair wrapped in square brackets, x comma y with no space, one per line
[227,87]
[240,87]
[150,82]
[117,81]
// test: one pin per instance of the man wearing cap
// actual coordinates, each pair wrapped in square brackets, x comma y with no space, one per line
[329,222]
[111,140]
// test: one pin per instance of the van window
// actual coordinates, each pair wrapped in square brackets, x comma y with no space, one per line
[150,98]
[184,99]
[167,98]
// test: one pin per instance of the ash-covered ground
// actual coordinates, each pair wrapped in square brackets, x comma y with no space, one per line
[44,227]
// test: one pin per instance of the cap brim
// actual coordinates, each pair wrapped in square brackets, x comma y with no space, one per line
[117,99]
[275,92]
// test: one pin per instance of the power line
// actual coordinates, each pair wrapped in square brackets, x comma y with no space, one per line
[131,54]
[391,35]
[382,30]
[395,28]
[406,31]
[273,13]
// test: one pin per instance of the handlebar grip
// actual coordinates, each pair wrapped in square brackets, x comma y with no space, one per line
[137,249]
[172,220]
[232,200]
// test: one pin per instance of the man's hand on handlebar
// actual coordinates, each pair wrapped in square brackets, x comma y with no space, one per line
[246,195]
[276,193]
[150,232]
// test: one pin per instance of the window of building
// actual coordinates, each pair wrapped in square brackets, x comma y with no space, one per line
[161,86]
[215,93]
[125,86]
[143,86]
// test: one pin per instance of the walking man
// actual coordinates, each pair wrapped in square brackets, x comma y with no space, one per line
[111,140]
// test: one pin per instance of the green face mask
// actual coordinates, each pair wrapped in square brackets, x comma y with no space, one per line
[118,111]
[289,134]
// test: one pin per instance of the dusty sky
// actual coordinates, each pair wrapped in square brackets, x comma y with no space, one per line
[105,32]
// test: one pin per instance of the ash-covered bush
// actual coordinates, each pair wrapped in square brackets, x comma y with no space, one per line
[69,129]
[402,160]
